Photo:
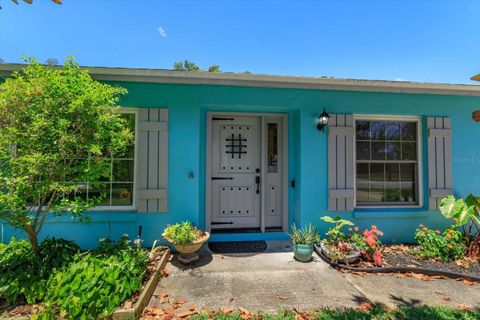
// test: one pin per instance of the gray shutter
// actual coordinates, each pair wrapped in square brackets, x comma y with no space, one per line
[439,160]
[152,160]
[340,162]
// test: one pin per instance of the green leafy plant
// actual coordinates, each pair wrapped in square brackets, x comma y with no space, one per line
[24,274]
[338,244]
[335,233]
[432,244]
[182,233]
[95,283]
[307,235]
[56,128]
[466,214]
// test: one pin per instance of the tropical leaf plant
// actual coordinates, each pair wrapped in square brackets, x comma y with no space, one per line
[466,214]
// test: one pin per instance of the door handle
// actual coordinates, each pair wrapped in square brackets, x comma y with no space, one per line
[222,178]
[257,181]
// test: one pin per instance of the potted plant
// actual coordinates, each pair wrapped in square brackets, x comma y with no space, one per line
[337,246]
[303,241]
[187,240]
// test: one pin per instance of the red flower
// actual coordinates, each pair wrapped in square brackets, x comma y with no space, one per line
[377,257]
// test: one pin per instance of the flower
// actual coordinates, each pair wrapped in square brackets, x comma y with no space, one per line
[374,227]
[437,231]
[421,225]
[356,229]
[377,257]
[350,229]
[425,229]
[449,236]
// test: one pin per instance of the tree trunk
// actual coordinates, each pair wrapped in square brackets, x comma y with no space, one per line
[32,236]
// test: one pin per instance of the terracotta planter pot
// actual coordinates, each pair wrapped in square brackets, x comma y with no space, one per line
[190,248]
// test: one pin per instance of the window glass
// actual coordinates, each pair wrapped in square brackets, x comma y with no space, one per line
[386,162]
[272,147]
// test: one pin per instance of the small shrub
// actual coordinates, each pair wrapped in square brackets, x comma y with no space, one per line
[182,233]
[94,284]
[447,246]
[307,235]
[369,244]
[24,274]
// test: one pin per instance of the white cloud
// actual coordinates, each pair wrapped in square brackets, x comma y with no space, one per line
[162,32]
[400,79]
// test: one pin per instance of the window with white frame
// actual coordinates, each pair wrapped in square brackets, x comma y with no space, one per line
[387,162]
[117,188]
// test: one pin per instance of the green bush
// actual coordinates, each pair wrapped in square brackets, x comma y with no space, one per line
[24,274]
[447,246]
[182,233]
[94,284]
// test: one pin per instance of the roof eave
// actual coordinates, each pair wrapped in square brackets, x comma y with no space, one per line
[255,80]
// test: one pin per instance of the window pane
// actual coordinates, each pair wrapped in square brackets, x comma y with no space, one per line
[82,191]
[409,131]
[123,170]
[363,150]
[377,192]
[393,150]
[100,192]
[272,147]
[363,130]
[122,194]
[377,172]
[408,192]
[392,192]
[409,151]
[362,192]
[378,150]
[377,130]
[392,172]
[362,173]
[393,131]
[407,172]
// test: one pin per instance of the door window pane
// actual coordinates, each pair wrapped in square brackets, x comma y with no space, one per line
[272,147]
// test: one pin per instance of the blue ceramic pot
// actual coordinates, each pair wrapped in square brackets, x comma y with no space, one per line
[303,252]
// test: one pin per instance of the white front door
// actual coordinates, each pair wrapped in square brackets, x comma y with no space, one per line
[235,172]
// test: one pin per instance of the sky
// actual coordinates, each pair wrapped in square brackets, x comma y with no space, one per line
[407,40]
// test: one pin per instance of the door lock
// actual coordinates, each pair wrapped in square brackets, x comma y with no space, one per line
[257,181]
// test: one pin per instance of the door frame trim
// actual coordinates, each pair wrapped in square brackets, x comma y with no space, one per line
[285,173]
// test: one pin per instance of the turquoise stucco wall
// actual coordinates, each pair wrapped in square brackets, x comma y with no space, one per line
[188,105]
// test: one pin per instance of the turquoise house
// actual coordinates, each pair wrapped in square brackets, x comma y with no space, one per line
[245,156]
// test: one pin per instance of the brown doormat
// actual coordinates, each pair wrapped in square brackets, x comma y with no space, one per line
[238,247]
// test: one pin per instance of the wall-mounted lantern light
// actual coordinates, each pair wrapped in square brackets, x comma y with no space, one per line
[322,121]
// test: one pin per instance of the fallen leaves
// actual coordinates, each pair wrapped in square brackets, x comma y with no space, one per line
[468,282]
[364,307]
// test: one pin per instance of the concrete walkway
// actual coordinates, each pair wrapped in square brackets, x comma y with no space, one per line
[272,280]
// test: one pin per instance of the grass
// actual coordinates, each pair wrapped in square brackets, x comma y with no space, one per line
[377,313]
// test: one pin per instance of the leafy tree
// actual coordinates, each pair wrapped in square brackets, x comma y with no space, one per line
[56,129]
[51,62]
[186,66]
[214,68]
[192,66]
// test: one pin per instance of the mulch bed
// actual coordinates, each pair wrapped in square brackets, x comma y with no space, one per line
[400,256]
